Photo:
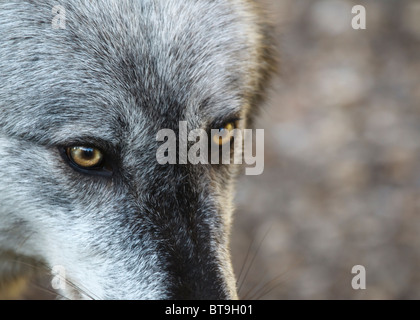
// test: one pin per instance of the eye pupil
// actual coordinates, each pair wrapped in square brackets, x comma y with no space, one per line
[87,153]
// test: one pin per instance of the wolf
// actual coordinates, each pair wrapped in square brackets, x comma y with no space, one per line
[84,87]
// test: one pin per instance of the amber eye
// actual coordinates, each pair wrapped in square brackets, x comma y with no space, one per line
[85,157]
[225,134]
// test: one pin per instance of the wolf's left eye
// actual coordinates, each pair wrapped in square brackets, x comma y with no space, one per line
[225,133]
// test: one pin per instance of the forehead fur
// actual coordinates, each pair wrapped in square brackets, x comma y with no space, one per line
[121,59]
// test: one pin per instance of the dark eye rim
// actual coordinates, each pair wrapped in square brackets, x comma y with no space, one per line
[235,120]
[105,169]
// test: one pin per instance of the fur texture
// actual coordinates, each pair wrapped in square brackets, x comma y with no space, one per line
[120,71]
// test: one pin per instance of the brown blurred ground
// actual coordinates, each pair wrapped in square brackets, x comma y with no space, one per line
[341,185]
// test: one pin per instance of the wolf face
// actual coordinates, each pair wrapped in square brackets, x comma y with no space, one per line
[118,72]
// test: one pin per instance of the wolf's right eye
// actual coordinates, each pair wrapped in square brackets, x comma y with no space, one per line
[85,157]
[89,160]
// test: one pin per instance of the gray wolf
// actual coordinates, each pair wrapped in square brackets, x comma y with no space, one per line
[80,106]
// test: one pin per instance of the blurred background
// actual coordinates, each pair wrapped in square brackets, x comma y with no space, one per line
[341,185]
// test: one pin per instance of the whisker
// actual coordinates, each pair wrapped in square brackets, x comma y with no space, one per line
[24,240]
[253,259]
[49,291]
[48,270]
[76,287]
[245,297]
[271,284]
[245,262]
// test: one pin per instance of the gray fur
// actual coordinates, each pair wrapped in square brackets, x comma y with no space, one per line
[120,71]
